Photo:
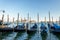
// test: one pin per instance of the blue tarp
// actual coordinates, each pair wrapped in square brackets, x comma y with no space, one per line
[42,25]
[34,26]
[56,26]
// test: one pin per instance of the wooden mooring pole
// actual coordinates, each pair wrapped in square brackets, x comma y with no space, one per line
[59,20]
[45,20]
[7,18]
[2,20]
[18,20]
[52,19]
[49,17]
[13,24]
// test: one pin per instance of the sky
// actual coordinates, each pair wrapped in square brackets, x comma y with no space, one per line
[23,7]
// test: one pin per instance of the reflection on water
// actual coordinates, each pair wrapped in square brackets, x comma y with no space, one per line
[44,36]
[4,34]
[31,36]
[37,36]
[18,35]
[57,35]
[1,36]
[10,36]
[25,36]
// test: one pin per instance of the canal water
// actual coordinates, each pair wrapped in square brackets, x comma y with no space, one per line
[25,36]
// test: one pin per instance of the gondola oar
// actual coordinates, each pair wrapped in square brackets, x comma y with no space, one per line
[2,19]
[13,24]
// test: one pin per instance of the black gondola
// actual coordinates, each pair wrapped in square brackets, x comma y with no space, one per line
[56,28]
[33,29]
[19,28]
[43,28]
[6,29]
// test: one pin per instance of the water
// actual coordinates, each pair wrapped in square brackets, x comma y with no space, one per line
[25,36]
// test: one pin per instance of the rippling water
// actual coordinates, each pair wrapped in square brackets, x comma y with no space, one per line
[25,36]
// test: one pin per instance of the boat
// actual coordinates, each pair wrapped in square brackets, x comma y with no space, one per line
[5,23]
[50,26]
[20,27]
[32,29]
[5,28]
[43,28]
[55,28]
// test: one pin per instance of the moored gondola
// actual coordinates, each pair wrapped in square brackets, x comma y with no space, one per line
[32,29]
[43,28]
[20,28]
[6,29]
[55,28]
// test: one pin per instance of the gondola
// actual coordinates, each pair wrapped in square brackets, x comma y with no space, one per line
[50,26]
[6,29]
[3,27]
[55,28]
[19,28]
[43,28]
[33,29]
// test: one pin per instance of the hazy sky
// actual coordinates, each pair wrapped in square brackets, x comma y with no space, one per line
[23,7]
